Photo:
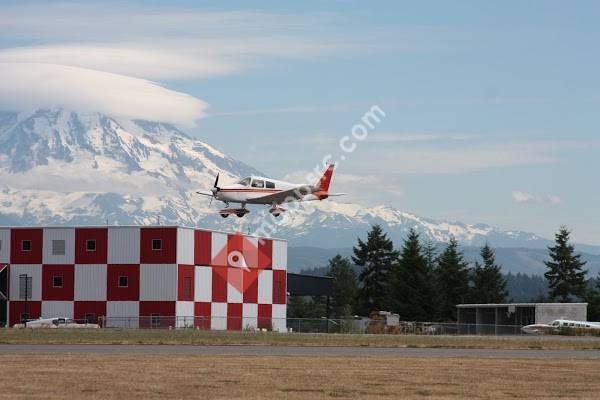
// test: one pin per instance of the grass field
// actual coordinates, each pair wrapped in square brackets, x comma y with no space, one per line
[226,377]
[147,336]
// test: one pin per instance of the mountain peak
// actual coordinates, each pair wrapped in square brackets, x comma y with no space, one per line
[64,167]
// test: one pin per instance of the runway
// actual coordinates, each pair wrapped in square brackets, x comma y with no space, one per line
[306,351]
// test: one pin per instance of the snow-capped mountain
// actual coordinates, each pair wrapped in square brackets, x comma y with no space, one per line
[61,167]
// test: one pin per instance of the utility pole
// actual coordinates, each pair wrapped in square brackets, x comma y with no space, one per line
[25,277]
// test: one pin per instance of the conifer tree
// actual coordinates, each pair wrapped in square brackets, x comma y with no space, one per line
[565,274]
[375,255]
[489,286]
[344,285]
[412,288]
[451,281]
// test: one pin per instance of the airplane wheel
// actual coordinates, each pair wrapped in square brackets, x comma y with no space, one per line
[276,215]
[240,214]
[224,215]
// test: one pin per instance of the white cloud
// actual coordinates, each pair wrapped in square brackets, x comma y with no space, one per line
[529,198]
[27,86]
[81,56]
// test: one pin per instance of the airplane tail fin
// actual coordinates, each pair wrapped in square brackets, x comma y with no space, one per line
[323,183]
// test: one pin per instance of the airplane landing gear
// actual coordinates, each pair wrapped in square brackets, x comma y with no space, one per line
[239,212]
[276,211]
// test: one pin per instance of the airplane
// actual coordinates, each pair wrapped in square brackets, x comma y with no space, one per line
[53,323]
[558,324]
[261,190]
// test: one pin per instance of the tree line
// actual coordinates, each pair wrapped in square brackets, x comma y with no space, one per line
[422,284]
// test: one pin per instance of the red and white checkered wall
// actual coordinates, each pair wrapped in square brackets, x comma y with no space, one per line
[225,281]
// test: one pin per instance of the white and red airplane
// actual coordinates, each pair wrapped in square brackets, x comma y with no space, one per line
[261,190]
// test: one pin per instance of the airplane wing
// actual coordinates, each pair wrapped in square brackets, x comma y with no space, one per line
[205,193]
[294,194]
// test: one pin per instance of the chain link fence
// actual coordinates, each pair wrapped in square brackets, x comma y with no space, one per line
[306,325]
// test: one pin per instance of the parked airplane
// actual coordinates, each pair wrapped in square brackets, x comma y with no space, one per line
[261,190]
[55,323]
[559,324]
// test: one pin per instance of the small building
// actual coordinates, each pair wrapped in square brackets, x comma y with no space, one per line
[148,276]
[508,318]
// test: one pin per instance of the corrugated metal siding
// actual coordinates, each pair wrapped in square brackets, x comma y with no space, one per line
[185,246]
[219,249]
[203,284]
[278,314]
[185,314]
[15,308]
[17,255]
[265,253]
[250,251]
[53,309]
[185,282]
[234,316]
[34,271]
[279,254]
[167,254]
[218,320]
[129,293]
[123,245]
[81,308]
[90,282]
[5,246]
[202,247]
[63,293]
[235,285]
[82,254]
[65,234]
[250,314]
[265,287]
[117,310]
[158,282]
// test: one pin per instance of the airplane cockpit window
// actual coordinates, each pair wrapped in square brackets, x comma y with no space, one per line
[555,323]
[269,185]
[257,183]
[244,182]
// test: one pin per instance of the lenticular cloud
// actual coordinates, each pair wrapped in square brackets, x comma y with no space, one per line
[26,86]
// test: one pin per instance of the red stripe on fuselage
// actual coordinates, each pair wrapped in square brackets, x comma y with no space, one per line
[251,190]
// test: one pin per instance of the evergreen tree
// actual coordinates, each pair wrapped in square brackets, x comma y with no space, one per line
[412,289]
[344,285]
[375,255]
[489,286]
[451,281]
[430,254]
[565,274]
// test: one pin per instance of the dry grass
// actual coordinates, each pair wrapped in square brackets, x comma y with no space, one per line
[226,377]
[146,336]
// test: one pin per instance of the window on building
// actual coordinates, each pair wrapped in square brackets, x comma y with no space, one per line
[58,247]
[26,245]
[0,245]
[90,245]
[90,318]
[258,183]
[57,281]
[156,244]
[155,320]
[270,185]
[187,288]
[123,281]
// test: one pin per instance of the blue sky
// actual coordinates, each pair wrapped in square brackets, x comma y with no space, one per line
[491,108]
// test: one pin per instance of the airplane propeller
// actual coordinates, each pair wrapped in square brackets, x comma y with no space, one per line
[215,189]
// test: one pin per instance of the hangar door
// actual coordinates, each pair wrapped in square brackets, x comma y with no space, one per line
[3,293]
